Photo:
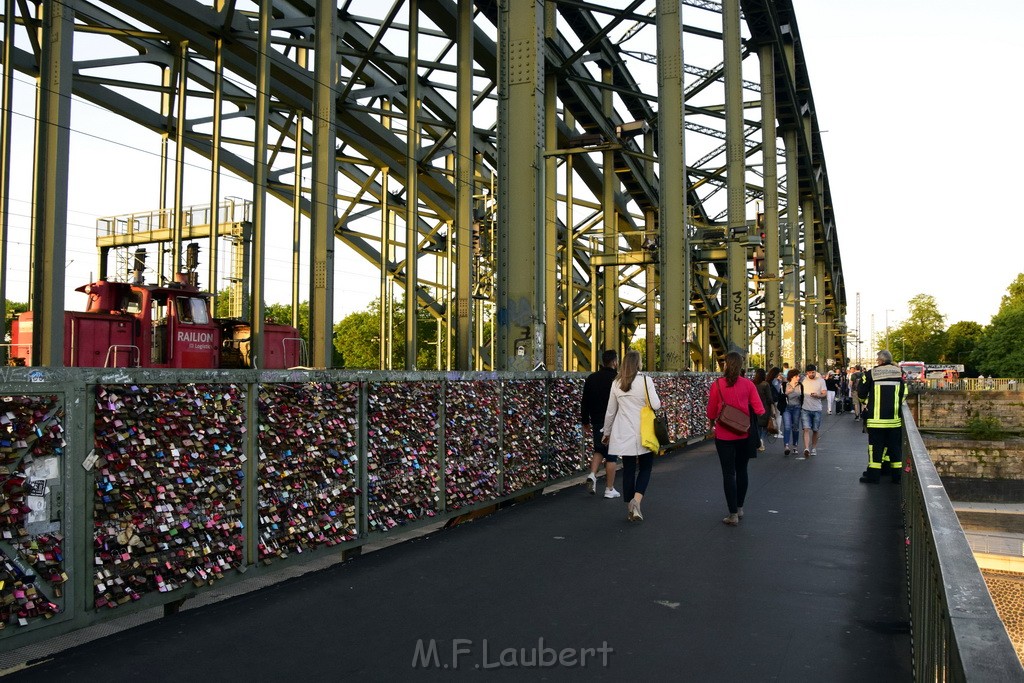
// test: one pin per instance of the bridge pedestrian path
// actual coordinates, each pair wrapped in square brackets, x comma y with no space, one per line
[810,586]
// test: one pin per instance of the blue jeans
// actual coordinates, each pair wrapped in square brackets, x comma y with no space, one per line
[791,425]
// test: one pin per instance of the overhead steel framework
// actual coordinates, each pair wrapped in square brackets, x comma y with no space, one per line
[546,178]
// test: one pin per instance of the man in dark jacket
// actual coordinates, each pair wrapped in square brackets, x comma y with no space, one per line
[884,389]
[596,389]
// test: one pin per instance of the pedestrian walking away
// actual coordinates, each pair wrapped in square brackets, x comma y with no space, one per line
[764,390]
[630,392]
[884,390]
[734,449]
[593,404]
[832,388]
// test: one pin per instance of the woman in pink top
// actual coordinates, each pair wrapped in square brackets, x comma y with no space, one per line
[734,449]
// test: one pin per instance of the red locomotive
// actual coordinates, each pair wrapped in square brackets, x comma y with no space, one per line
[137,325]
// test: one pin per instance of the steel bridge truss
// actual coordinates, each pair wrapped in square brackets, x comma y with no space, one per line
[518,165]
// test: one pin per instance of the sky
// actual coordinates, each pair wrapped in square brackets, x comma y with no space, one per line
[919,114]
[922,147]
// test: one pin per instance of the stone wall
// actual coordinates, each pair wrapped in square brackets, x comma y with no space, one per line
[944,410]
[943,416]
[960,458]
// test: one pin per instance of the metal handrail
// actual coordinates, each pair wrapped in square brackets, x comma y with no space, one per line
[302,348]
[116,348]
[8,348]
[957,634]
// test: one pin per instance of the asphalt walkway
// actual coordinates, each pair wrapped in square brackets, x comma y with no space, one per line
[809,587]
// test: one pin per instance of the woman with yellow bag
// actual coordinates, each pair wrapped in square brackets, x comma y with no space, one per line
[622,430]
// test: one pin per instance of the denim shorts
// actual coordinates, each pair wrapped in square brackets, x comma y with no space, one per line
[810,419]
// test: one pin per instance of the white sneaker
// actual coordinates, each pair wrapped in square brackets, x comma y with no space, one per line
[592,483]
[612,493]
[814,451]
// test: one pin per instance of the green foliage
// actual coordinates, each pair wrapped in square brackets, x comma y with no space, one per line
[282,315]
[962,339]
[222,309]
[13,308]
[921,336]
[999,352]
[640,344]
[984,428]
[357,338]
[1014,294]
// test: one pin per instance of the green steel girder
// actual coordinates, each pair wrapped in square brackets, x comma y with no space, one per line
[774,21]
[155,30]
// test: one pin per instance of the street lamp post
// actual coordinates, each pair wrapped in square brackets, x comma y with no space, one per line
[887,327]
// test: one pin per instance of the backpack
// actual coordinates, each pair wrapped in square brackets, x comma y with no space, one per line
[779,398]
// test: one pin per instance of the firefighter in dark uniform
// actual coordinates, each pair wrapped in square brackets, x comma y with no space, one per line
[884,390]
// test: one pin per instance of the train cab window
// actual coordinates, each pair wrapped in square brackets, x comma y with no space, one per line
[192,310]
[132,303]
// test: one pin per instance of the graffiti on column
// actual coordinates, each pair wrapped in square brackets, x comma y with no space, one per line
[771,328]
[738,314]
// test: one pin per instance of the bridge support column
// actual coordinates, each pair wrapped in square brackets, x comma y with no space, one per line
[520,322]
[825,329]
[49,227]
[412,191]
[609,284]
[322,214]
[674,252]
[464,169]
[260,176]
[738,303]
[550,271]
[811,294]
[770,278]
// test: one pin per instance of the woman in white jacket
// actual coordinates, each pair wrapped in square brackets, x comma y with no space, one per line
[622,430]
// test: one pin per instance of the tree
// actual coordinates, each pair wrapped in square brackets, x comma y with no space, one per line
[282,315]
[357,338]
[755,360]
[12,308]
[1014,294]
[961,340]
[640,344]
[922,335]
[999,351]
